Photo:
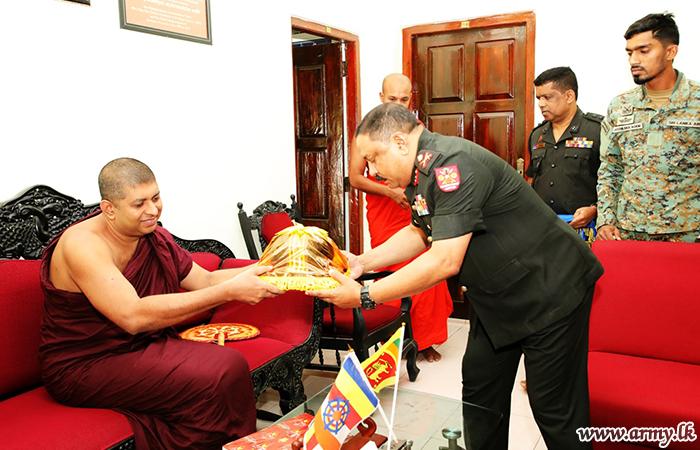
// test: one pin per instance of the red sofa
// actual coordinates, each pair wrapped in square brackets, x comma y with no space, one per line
[31,418]
[644,347]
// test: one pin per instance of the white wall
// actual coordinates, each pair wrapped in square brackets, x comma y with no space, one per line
[215,123]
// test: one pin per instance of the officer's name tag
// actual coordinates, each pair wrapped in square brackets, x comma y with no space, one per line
[634,126]
[683,123]
[625,120]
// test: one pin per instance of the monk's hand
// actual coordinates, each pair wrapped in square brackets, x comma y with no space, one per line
[397,195]
[608,233]
[248,288]
[347,295]
[583,216]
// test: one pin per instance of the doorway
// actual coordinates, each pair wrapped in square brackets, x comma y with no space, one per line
[473,79]
[326,106]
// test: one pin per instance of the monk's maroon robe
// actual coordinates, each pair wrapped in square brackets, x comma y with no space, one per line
[176,394]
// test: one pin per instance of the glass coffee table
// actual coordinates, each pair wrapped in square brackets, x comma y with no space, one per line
[426,421]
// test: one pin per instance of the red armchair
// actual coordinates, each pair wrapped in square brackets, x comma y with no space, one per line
[643,360]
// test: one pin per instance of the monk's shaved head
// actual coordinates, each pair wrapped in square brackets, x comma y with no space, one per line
[396,79]
[120,174]
[396,88]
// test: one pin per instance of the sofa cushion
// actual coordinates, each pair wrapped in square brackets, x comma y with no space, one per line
[34,420]
[234,263]
[21,306]
[646,303]
[207,261]
[628,391]
[259,350]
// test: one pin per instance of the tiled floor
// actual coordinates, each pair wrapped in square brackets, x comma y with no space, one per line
[442,378]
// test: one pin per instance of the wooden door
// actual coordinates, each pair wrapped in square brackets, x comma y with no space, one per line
[318,100]
[474,82]
[473,79]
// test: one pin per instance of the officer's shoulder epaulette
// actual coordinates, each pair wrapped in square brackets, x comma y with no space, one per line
[425,159]
[594,117]
[540,124]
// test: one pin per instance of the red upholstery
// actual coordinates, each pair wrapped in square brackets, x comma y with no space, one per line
[643,362]
[260,349]
[36,421]
[274,222]
[31,418]
[207,261]
[21,304]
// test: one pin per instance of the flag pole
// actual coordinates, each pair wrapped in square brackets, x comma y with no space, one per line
[391,431]
[396,383]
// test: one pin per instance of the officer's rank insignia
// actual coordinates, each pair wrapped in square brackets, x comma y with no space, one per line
[627,110]
[539,146]
[625,120]
[447,178]
[423,159]
[579,142]
[415,178]
[421,206]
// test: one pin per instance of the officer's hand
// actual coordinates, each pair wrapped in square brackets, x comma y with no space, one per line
[356,267]
[608,233]
[583,216]
[347,295]
[398,196]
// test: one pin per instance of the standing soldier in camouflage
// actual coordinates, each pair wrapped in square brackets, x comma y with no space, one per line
[649,177]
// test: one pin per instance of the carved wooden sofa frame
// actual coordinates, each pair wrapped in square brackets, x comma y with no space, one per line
[32,219]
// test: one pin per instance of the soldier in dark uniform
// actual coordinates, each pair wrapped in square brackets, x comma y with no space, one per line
[565,149]
[529,276]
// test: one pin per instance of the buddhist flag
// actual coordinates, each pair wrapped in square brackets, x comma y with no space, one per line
[349,402]
[381,368]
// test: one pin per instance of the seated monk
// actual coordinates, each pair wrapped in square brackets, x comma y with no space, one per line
[112,293]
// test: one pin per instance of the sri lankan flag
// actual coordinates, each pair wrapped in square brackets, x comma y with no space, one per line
[381,368]
[349,402]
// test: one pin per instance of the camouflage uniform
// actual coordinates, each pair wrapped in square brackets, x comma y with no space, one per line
[649,177]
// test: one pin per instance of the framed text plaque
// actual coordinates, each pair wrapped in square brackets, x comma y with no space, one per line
[180,19]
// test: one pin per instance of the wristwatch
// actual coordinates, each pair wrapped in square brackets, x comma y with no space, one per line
[365,300]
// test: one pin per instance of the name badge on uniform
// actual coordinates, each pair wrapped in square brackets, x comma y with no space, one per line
[626,120]
[683,123]
[627,110]
[421,206]
[447,178]
[634,126]
[579,142]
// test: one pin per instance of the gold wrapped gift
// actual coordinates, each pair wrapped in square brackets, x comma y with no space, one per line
[301,258]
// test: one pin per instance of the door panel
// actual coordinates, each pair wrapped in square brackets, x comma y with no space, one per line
[474,86]
[318,100]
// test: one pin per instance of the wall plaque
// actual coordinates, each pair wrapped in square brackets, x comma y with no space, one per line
[180,19]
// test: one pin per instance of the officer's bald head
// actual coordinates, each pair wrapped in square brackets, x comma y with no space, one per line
[385,120]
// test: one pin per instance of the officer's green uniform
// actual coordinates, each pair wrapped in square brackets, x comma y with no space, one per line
[529,279]
[649,177]
[565,171]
